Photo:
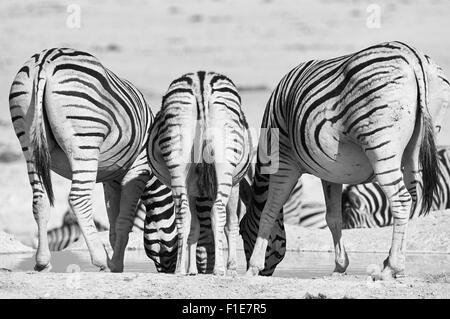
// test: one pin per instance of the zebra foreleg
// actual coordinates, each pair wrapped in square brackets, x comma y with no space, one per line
[333,199]
[132,188]
[280,186]
[160,232]
[112,201]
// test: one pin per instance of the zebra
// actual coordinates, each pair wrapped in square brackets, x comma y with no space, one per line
[351,119]
[74,116]
[200,146]
[366,206]
[59,238]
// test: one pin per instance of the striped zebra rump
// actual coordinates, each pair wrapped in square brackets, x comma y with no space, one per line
[203,104]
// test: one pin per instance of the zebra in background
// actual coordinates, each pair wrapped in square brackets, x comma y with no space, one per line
[76,117]
[200,146]
[59,238]
[352,119]
[366,206]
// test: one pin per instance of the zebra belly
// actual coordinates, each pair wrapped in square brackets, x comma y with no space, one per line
[346,163]
[61,166]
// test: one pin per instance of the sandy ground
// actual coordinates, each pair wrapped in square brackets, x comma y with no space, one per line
[255,43]
[426,235]
[131,285]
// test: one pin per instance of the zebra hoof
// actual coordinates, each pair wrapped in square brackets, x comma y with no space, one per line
[252,271]
[392,270]
[193,272]
[116,269]
[387,274]
[180,272]
[219,272]
[232,272]
[43,268]
[337,273]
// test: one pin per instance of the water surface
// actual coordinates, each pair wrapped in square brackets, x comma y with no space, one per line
[295,264]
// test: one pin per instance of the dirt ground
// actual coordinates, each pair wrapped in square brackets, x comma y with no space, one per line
[426,235]
[137,285]
[255,43]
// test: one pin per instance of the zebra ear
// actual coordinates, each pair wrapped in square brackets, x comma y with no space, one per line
[354,199]
[69,218]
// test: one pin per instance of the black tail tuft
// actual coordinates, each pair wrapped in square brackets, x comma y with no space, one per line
[207,179]
[428,158]
[42,160]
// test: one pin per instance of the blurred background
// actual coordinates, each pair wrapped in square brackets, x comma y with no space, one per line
[254,42]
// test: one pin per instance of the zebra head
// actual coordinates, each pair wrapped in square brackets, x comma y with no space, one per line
[356,212]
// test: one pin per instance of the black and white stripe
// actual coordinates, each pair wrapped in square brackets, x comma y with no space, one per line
[352,119]
[200,146]
[366,206]
[73,115]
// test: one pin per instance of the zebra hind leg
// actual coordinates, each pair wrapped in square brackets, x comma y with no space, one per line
[390,178]
[333,199]
[219,213]
[84,175]
[183,222]
[193,238]
[232,230]
[41,213]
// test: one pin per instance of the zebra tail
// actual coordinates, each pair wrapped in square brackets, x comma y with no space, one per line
[430,165]
[41,153]
[207,179]
[428,156]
